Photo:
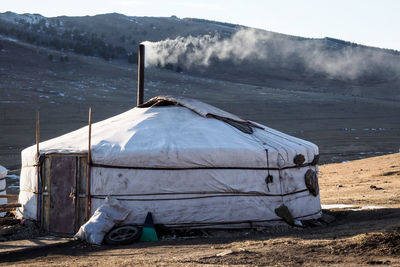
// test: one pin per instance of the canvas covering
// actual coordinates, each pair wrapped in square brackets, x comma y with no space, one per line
[186,167]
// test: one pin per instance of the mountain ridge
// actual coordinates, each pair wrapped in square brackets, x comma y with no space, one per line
[35,18]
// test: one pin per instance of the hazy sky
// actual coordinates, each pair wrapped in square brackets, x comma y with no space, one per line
[369,22]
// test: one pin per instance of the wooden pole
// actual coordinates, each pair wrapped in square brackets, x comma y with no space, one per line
[37,133]
[89,161]
[140,75]
[37,165]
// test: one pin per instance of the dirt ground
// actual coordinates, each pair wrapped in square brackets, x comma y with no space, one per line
[374,181]
[357,236]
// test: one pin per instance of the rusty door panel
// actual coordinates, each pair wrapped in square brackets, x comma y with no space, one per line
[63,171]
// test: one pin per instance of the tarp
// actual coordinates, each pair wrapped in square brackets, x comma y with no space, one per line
[176,160]
[3,174]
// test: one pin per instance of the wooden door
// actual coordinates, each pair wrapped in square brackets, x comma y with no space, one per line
[63,173]
[63,204]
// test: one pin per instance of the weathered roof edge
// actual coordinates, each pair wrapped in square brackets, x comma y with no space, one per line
[201,108]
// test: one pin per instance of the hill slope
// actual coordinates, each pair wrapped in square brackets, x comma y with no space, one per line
[256,56]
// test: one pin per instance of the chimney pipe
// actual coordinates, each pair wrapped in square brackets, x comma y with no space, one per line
[140,75]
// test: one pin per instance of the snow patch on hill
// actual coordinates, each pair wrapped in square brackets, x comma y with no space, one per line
[28,18]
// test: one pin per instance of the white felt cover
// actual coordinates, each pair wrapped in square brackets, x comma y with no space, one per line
[212,172]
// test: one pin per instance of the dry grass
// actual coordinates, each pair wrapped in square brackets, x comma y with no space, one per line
[372,181]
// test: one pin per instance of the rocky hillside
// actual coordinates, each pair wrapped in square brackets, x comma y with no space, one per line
[110,36]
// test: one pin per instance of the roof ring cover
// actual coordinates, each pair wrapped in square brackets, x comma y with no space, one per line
[202,109]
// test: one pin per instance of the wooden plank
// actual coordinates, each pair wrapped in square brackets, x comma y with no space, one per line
[9,196]
[5,219]
[10,205]
[9,221]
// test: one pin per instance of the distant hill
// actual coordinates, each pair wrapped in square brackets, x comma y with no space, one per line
[287,61]
[108,36]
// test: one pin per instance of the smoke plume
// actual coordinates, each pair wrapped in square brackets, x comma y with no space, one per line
[268,50]
[244,44]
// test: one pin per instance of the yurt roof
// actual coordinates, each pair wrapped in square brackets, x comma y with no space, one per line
[175,132]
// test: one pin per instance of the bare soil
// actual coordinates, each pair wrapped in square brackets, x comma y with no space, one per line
[373,181]
[357,236]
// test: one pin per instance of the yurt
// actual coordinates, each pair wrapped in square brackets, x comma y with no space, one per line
[188,163]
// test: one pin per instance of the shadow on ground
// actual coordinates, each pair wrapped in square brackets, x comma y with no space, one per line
[382,225]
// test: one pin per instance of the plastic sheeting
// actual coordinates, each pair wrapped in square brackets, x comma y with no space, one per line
[3,174]
[185,167]
[109,213]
